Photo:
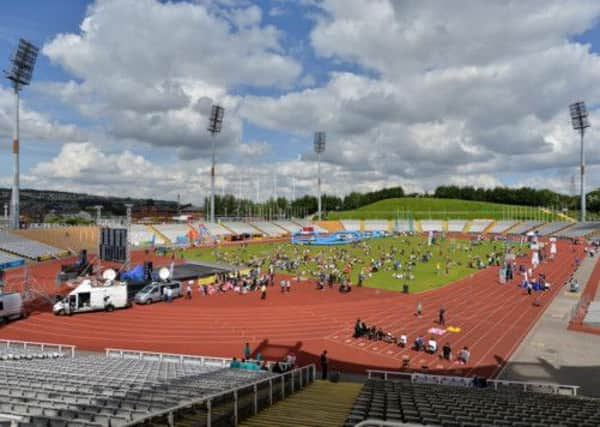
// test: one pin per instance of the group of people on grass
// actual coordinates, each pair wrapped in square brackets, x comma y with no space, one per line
[254,281]
[356,262]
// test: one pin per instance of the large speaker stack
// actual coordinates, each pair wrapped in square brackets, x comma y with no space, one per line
[113,244]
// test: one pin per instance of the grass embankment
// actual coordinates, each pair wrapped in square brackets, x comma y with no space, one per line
[432,208]
[426,274]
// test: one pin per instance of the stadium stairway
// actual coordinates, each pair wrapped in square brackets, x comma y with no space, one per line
[508,230]
[559,214]
[467,226]
[159,234]
[489,227]
[323,404]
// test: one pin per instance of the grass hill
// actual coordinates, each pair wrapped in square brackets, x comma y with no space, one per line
[433,208]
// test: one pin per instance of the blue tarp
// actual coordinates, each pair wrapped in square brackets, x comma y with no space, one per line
[136,274]
[10,264]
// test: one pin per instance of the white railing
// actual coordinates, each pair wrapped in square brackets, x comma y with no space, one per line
[14,420]
[417,378]
[24,345]
[210,361]
[551,388]
[310,371]
[381,423]
[168,357]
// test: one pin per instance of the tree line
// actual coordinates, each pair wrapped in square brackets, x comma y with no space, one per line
[280,207]
[525,196]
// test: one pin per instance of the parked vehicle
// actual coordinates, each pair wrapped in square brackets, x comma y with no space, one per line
[11,307]
[87,297]
[156,291]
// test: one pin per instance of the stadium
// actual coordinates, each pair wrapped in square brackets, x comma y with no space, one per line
[319,304]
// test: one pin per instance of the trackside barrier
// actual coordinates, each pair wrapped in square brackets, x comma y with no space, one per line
[231,406]
[210,361]
[41,346]
[416,378]
[14,420]
[381,423]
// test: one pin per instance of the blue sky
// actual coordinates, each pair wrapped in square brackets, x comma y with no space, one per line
[410,93]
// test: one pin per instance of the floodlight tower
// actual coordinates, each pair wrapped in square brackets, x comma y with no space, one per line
[23,62]
[215,124]
[319,143]
[98,213]
[579,120]
[128,207]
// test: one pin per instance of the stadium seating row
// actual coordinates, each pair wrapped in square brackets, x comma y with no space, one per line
[32,249]
[104,391]
[434,404]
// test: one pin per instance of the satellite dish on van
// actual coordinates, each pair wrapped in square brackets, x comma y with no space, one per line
[164,273]
[109,274]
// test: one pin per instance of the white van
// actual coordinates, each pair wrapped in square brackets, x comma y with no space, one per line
[87,297]
[11,307]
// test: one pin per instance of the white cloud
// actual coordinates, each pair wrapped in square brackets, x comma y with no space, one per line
[458,90]
[463,92]
[151,70]
[34,124]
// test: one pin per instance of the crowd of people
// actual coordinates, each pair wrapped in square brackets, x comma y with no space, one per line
[342,266]
[253,281]
[258,364]
[374,333]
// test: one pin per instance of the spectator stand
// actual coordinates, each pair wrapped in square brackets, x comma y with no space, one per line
[237,403]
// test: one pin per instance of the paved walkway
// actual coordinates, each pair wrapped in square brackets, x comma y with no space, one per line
[551,353]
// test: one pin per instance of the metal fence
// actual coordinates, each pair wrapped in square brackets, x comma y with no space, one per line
[417,378]
[210,361]
[39,347]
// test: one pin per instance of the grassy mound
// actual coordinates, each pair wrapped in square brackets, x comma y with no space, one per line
[432,208]
[451,259]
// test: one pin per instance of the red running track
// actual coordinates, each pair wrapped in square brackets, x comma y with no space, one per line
[494,319]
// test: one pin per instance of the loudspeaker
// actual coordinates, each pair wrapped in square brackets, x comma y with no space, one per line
[113,244]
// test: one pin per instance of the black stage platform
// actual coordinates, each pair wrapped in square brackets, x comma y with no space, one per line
[194,270]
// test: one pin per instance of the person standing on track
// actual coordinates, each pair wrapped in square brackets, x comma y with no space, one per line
[442,316]
[324,363]
[419,309]
[263,292]
[189,289]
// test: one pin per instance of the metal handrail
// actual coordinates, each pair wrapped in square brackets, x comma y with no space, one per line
[381,423]
[448,380]
[182,358]
[311,369]
[42,345]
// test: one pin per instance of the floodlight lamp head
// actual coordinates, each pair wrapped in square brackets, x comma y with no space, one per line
[319,142]
[215,121]
[23,62]
[579,116]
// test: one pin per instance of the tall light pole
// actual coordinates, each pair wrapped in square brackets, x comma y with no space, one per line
[23,62]
[215,124]
[579,120]
[319,144]
[128,206]
[98,213]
